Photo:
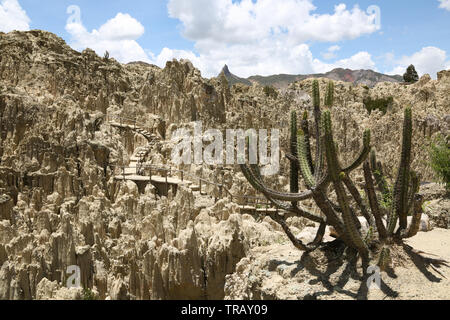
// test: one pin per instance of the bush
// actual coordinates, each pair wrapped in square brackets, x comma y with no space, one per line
[378,104]
[88,294]
[271,92]
[440,160]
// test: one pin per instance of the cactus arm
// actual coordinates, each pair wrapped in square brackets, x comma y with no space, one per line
[369,237]
[324,180]
[254,169]
[353,214]
[377,170]
[402,182]
[385,256]
[413,190]
[307,138]
[296,242]
[329,99]
[319,235]
[363,155]
[359,201]
[336,176]
[308,215]
[332,218]
[320,171]
[318,122]
[259,186]
[373,201]
[305,169]
[417,216]
[294,152]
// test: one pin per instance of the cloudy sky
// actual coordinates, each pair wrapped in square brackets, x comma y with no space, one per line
[252,36]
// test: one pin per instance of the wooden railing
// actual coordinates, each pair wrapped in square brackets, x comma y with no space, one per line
[170,172]
[133,122]
[167,172]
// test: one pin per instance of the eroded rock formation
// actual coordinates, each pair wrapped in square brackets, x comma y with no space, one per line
[60,205]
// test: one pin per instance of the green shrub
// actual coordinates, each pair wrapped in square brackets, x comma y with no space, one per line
[88,294]
[378,104]
[271,92]
[440,160]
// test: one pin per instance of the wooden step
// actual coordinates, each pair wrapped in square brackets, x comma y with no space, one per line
[194,187]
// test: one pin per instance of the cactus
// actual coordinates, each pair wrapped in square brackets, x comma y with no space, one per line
[327,170]
[329,98]
[294,164]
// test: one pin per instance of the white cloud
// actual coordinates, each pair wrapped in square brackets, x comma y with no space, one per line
[13,17]
[117,36]
[445,4]
[361,60]
[267,36]
[247,21]
[263,37]
[331,52]
[429,60]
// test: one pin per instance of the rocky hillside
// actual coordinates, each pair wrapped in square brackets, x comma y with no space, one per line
[365,77]
[60,204]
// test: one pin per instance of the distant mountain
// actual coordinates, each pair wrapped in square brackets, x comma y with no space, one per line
[233,79]
[366,77]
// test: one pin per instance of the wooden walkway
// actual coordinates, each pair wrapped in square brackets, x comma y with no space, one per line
[166,178]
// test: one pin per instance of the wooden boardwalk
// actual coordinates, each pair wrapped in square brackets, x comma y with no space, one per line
[166,178]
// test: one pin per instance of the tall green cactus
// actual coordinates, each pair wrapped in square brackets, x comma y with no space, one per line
[294,152]
[329,98]
[402,184]
[327,171]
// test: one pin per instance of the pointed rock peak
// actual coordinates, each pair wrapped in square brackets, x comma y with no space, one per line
[226,70]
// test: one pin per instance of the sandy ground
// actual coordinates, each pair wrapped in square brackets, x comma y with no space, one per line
[428,277]
[279,271]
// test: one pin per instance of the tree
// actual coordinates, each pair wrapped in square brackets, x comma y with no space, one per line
[411,75]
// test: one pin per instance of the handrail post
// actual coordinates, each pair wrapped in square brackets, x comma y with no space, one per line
[167,183]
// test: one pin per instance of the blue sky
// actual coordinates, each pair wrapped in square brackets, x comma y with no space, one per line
[251,36]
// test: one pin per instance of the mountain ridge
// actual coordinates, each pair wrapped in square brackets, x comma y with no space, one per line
[279,81]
